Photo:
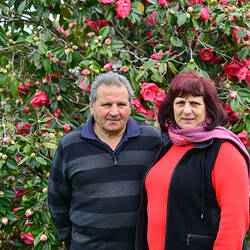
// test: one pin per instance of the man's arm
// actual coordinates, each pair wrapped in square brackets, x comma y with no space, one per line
[59,197]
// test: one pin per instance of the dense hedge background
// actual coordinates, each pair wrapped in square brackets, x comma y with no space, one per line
[50,52]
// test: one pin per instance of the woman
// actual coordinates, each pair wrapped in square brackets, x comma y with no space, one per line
[196,196]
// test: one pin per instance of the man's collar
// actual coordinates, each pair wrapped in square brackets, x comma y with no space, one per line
[87,131]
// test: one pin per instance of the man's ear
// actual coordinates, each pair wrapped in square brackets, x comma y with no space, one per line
[91,107]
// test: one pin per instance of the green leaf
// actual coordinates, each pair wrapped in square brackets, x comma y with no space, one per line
[46,65]
[139,117]
[195,23]
[89,53]
[5,202]
[181,18]
[172,68]
[197,7]
[13,86]
[183,2]
[227,27]
[220,18]
[109,14]
[42,48]
[104,31]
[149,64]
[21,7]
[3,79]
[37,239]
[234,103]
[160,16]
[41,160]
[176,41]
[49,145]
[116,44]
[45,217]
[11,163]
[244,93]
[3,38]
[241,33]
[243,53]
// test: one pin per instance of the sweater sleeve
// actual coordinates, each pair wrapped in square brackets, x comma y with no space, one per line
[59,198]
[230,182]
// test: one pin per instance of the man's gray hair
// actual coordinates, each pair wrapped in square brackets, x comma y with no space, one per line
[110,79]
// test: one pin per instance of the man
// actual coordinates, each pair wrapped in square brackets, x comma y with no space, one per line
[95,179]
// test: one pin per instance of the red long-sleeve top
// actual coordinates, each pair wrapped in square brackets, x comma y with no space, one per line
[231,192]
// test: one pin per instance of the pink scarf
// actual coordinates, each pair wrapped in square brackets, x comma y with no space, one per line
[186,136]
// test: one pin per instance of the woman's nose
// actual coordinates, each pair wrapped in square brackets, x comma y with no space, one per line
[187,108]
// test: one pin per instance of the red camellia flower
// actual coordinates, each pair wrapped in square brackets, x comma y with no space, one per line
[149,91]
[107,1]
[122,8]
[66,127]
[206,54]
[162,2]
[204,14]
[28,238]
[39,99]
[108,66]
[81,85]
[244,138]
[23,128]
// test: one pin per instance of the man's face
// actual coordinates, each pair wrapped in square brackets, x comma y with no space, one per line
[111,110]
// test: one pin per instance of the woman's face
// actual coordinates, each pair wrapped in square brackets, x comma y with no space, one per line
[189,111]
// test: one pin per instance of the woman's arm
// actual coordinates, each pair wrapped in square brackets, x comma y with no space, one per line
[230,182]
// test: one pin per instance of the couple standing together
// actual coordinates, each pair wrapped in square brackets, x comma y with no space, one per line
[117,184]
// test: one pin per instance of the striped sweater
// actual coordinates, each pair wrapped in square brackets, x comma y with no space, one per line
[94,192]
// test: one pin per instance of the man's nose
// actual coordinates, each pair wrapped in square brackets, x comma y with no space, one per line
[114,110]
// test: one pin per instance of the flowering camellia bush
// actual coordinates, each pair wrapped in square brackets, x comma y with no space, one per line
[51,51]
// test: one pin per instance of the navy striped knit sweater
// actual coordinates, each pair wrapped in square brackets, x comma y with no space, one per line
[94,192]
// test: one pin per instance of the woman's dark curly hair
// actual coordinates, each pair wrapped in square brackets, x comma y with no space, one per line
[190,83]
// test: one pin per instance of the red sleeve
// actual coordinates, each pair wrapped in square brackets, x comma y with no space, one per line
[230,182]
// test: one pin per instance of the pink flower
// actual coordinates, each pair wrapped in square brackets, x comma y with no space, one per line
[194,2]
[102,23]
[81,85]
[19,194]
[72,25]
[107,1]
[156,56]
[28,238]
[140,109]
[243,136]
[149,91]
[233,94]
[67,51]
[5,139]
[160,96]
[23,128]
[206,54]
[50,55]
[216,60]
[85,72]
[57,112]
[66,127]
[122,8]
[43,238]
[124,69]
[15,209]
[204,14]
[108,66]
[92,24]
[162,2]
[27,223]
[236,70]
[151,19]
[39,99]
[5,221]
[107,41]
[29,212]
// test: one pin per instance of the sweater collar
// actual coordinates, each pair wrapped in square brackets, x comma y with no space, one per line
[87,131]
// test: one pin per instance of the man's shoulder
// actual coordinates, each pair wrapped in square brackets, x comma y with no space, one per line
[148,130]
[71,137]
